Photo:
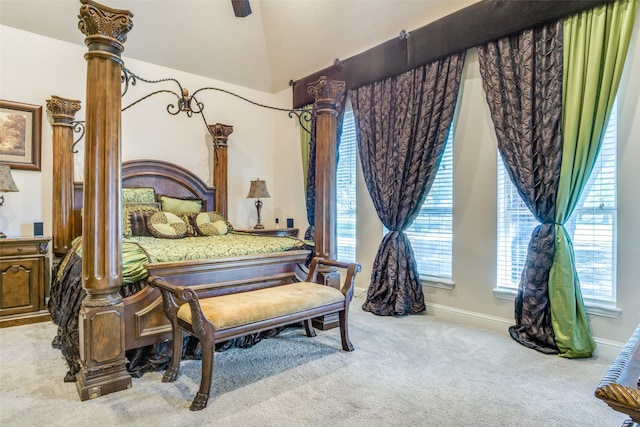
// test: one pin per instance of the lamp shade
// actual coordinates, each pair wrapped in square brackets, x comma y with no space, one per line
[258,190]
[6,180]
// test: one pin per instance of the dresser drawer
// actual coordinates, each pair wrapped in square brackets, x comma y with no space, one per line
[23,246]
[19,248]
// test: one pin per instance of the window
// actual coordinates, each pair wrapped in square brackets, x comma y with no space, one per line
[431,234]
[346,190]
[592,226]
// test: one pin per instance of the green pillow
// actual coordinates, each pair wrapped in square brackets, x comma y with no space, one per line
[138,195]
[174,204]
[166,225]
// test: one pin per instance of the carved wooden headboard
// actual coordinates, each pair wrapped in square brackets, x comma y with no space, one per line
[167,178]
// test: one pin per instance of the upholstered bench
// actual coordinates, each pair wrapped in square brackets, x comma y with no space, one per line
[222,317]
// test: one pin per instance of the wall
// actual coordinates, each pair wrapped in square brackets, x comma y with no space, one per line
[35,67]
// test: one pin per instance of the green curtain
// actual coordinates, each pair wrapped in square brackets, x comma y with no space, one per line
[596,43]
[305,141]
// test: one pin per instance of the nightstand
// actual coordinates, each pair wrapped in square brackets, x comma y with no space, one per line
[24,272]
[291,232]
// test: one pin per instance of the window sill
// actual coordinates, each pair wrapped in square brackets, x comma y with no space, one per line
[437,282]
[591,307]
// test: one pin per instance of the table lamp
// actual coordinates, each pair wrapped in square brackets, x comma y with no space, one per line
[258,189]
[6,185]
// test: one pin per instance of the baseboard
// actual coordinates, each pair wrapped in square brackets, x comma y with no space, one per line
[470,318]
[606,349]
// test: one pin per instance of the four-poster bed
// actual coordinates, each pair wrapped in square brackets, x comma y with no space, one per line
[108,323]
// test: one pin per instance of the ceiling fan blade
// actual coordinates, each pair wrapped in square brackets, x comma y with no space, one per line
[241,8]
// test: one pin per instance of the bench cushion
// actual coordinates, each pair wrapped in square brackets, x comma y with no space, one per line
[231,310]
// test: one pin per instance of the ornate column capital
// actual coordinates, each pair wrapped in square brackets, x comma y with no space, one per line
[63,110]
[221,132]
[328,94]
[104,26]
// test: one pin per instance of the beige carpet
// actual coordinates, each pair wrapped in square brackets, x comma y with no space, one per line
[407,371]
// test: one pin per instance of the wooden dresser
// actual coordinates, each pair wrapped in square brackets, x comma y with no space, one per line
[24,275]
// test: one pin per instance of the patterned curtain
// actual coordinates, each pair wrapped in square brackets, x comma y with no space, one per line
[401,125]
[307,147]
[522,80]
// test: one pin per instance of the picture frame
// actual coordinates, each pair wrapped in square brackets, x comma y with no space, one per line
[20,135]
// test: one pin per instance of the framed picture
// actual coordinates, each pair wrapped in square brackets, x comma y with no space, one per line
[20,133]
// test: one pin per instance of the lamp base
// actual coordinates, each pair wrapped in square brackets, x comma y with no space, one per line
[258,225]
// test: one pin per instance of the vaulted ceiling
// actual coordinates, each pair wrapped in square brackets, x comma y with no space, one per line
[281,40]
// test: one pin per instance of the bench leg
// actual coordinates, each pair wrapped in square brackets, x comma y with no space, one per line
[202,397]
[344,330]
[308,328]
[171,373]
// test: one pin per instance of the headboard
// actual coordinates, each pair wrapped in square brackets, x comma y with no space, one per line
[167,178]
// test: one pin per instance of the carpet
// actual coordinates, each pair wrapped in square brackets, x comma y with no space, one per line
[405,371]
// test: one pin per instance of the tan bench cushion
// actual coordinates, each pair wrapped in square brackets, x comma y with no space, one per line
[231,310]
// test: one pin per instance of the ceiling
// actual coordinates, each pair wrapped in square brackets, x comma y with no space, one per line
[281,40]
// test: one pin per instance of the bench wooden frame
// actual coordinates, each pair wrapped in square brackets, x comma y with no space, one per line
[201,327]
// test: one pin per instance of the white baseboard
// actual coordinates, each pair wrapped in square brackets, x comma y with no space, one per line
[606,349]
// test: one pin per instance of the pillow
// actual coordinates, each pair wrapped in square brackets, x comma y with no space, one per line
[138,195]
[135,207]
[138,220]
[186,217]
[210,224]
[174,204]
[166,225]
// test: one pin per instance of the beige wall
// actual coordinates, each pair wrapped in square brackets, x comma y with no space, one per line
[34,67]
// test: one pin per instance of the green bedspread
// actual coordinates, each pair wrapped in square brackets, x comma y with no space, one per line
[139,251]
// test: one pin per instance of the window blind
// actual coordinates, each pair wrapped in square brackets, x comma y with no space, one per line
[431,234]
[346,190]
[592,226]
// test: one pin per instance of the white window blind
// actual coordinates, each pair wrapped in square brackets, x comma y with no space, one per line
[431,234]
[346,190]
[592,226]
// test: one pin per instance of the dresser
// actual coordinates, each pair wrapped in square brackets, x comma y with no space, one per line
[24,276]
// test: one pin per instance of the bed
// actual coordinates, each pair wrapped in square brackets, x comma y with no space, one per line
[110,324]
[233,260]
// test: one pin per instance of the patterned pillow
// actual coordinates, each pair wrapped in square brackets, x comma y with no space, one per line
[138,195]
[166,225]
[186,217]
[174,204]
[135,207]
[210,224]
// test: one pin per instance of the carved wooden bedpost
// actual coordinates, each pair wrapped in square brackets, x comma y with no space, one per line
[63,111]
[101,323]
[221,132]
[328,95]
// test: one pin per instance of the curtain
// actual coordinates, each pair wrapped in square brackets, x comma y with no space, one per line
[521,70]
[401,126]
[522,80]
[596,43]
[307,146]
